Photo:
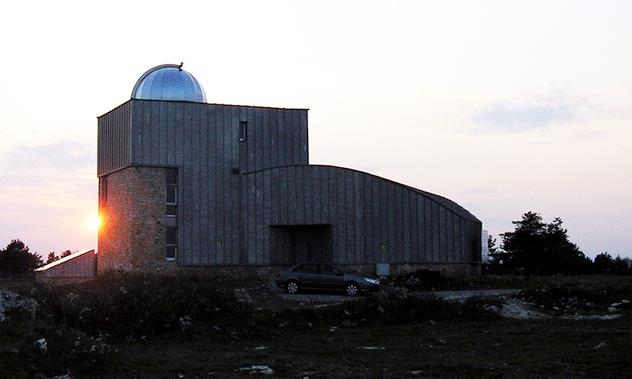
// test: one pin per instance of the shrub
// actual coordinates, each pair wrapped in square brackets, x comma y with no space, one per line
[137,304]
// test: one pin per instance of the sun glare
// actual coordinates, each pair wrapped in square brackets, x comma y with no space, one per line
[94,222]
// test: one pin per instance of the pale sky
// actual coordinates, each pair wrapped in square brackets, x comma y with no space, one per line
[502,106]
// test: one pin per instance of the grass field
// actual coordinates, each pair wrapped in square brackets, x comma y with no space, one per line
[381,337]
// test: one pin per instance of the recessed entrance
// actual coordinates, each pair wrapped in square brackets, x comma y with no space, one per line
[300,243]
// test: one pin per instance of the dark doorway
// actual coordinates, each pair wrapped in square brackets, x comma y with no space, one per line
[301,243]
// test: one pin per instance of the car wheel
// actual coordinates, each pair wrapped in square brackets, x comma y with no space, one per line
[352,289]
[292,287]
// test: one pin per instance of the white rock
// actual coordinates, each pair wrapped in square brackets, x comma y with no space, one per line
[41,345]
[371,348]
[600,346]
[257,369]
[11,301]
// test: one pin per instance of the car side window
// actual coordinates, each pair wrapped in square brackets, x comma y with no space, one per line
[328,270]
[300,268]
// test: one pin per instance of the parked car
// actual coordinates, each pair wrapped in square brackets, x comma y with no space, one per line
[322,276]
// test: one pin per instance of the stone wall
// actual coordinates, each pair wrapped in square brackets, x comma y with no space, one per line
[132,207]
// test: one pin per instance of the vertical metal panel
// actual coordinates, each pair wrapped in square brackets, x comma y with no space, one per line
[220,192]
[428,230]
[274,137]
[449,227]
[304,135]
[284,138]
[436,233]
[265,141]
[275,203]
[172,127]
[374,236]
[421,229]
[348,215]
[324,204]
[359,221]
[308,190]
[299,179]
[267,215]
[442,234]
[253,124]
[410,223]
[259,218]
[212,188]
[243,217]
[398,223]
[233,247]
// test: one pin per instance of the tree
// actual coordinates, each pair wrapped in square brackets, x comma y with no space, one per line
[65,253]
[17,259]
[497,258]
[51,258]
[535,247]
[621,265]
[603,263]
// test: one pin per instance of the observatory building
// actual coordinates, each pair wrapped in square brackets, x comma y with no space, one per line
[184,183]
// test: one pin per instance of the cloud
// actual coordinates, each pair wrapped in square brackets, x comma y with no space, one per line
[47,191]
[554,108]
[64,155]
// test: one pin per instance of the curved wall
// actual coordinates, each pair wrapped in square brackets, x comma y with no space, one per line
[372,219]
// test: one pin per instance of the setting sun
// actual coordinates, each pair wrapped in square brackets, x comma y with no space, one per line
[93,222]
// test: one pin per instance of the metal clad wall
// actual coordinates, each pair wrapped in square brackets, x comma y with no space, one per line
[373,219]
[202,141]
[225,218]
[114,140]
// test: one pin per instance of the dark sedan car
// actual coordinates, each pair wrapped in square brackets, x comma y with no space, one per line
[321,276]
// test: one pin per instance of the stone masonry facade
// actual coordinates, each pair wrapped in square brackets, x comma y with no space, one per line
[133,233]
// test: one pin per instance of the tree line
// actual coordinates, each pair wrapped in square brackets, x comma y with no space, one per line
[16,259]
[538,248]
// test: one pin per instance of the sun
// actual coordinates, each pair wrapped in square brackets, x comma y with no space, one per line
[93,222]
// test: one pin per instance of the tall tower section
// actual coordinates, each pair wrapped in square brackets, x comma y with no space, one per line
[170,168]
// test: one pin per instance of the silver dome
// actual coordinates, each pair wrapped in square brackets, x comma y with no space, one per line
[168,82]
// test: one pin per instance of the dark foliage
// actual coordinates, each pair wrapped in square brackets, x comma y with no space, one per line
[420,280]
[605,264]
[16,259]
[135,304]
[535,247]
[52,257]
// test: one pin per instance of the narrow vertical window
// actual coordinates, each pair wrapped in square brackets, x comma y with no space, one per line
[172,192]
[171,238]
[171,243]
[243,131]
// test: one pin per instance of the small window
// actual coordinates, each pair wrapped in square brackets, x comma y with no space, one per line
[172,210]
[172,176]
[243,131]
[171,242]
[172,194]
[172,251]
